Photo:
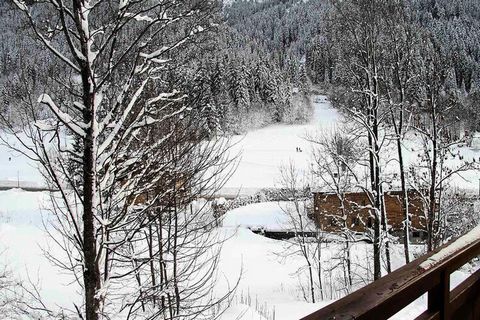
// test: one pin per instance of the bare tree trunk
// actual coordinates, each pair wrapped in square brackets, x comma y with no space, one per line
[319,271]
[404,192]
[161,264]
[346,257]
[433,179]
[348,261]
[151,257]
[375,187]
[175,260]
[312,285]
[91,272]
[398,127]
[385,230]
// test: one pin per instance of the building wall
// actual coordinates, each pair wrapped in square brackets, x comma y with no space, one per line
[328,211]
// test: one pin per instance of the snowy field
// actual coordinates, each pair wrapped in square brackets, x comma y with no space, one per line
[269,286]
[265,150]
[15,167]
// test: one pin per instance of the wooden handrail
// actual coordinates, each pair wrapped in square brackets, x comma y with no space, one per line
[430,273]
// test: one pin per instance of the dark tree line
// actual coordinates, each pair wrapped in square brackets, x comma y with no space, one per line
[230,75]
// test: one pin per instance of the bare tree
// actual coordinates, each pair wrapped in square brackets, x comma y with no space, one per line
[11,294]
[337,157]
[307,240]
[460,213]
[137,158]
[398,73]
[357,30]
[435,101]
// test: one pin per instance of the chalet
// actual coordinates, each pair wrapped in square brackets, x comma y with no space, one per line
[327,212]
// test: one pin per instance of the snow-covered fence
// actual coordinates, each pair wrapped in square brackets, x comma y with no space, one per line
[222,204]
[25,185]
[428,274]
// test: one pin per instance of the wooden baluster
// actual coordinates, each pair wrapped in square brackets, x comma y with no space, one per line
[439,296]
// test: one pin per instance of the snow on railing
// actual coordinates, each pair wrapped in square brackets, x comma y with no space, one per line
[452,248]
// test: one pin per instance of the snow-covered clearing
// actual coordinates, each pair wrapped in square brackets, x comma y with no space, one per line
[22,241]
[265,150]
[16,167]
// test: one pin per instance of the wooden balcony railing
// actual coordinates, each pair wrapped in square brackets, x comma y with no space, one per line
[430,273]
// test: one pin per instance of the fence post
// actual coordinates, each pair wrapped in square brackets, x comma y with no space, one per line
[439,296]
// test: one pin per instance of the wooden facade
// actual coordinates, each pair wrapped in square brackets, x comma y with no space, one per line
[328,212]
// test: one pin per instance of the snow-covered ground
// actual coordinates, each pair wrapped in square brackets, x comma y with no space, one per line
[22,241]
[265,150]
[16,167]
[270,216]
[268,283]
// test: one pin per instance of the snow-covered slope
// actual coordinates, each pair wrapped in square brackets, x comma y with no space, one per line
[265,150]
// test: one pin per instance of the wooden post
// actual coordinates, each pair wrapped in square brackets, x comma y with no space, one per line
[439,296]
